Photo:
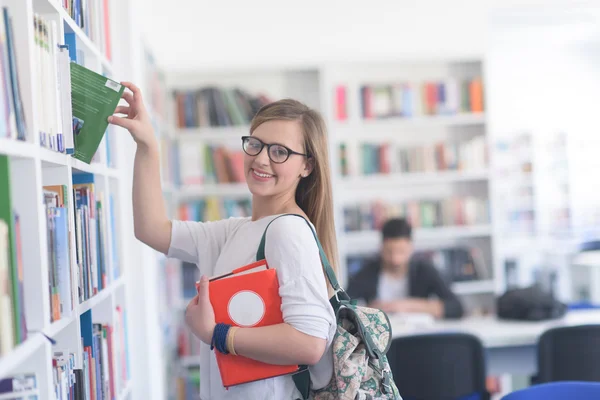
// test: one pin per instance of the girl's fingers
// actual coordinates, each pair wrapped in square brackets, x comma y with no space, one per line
[122,110]
[134,89]
[122,122]
[128,97]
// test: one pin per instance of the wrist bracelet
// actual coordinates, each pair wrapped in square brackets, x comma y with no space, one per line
[230,336]
[219,338]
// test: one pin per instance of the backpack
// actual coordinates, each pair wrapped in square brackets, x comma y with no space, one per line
[363,337]
[529,304]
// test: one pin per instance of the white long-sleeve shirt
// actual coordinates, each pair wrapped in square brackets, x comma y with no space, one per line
[221,246]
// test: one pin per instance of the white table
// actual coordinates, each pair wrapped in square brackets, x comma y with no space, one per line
[510,345]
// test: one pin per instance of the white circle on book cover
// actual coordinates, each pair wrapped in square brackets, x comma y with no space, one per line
[246,308]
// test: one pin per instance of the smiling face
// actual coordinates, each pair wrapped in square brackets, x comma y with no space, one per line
[266,178]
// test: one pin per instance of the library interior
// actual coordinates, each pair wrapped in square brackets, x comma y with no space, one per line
[441,152]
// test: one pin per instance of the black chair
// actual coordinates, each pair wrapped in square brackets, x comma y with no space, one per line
[570,353]
[445,366]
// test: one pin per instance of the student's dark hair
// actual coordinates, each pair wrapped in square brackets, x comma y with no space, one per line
[396,228]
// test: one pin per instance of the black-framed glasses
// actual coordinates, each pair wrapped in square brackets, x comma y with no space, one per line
[278,153]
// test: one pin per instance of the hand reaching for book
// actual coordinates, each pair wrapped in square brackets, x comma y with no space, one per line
[199,314]
[136,120]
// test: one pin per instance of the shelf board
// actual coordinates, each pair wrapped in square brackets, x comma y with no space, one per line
[25,394]
[99,297]
[58,326]
[71,27]
[16,148]
[393,127]
[237,190]
[212,133]
[8,362]
[474,287]
[368,241]
[414,178]
[190,361]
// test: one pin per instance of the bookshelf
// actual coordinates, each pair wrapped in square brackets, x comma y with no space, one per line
[64,255]
[409,138]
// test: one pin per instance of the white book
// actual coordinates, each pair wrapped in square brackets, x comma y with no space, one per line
[192,163]
[6,311]
[40,81]
[452,96]
[64,72]
[56,99]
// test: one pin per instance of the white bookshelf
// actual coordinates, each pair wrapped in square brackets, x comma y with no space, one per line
[395,188]
[32,167]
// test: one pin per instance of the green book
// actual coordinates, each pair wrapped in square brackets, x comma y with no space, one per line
[94,98]
[8,216]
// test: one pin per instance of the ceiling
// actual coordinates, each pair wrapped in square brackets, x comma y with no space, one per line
[193,34]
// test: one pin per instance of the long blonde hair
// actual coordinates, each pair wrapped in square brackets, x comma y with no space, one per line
[313,194]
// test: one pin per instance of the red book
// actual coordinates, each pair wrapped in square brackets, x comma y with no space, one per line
[247,297]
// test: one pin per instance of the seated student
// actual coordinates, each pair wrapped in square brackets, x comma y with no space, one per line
[399,282]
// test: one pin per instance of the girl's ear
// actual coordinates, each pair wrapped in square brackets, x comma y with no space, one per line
[309,165]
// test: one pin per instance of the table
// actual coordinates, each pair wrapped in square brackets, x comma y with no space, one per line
[510,345]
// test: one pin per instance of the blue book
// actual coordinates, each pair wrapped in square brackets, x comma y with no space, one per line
[63,265]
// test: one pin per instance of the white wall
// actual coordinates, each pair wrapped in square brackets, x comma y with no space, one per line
[206,33]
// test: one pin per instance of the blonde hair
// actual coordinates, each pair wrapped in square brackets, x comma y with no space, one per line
[313,194]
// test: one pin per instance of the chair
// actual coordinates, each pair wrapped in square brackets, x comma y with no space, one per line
[557,391]
[439,366]
[570,353]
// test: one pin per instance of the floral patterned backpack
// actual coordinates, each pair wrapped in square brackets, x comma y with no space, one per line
[360,367]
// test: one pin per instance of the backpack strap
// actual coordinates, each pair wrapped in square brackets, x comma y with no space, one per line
[260,254]
[302,377]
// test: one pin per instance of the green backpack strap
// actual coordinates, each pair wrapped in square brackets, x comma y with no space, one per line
[260,254]
[302,377]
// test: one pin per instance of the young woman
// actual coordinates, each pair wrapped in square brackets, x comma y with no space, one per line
[286,169]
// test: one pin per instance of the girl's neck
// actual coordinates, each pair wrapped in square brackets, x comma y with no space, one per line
[265,206]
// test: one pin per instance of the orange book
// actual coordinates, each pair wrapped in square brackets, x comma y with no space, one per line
[476,93]
[247,297]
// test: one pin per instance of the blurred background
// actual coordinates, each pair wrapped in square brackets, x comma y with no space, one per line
[476,120]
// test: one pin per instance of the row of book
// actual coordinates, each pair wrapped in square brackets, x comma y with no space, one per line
[91,216]
[93,17]
[452,211]
[12,115]
[13,326]
[53,97]
[455,263]
[206,164]
[215,106]
[390,158]
[214,208]
[448,97]
[104,370]
[19,387]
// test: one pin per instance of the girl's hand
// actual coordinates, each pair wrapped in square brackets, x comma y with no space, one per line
[199,314]
[137,120]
